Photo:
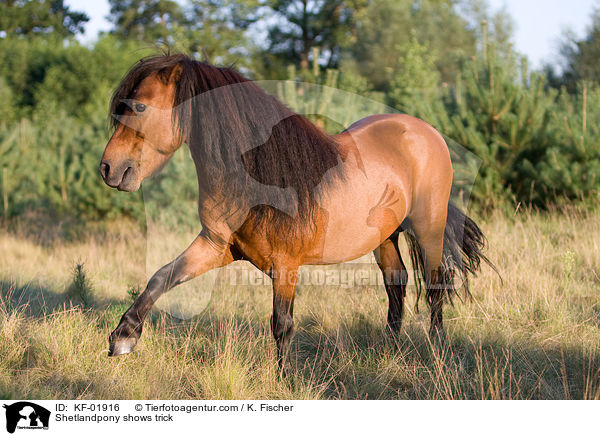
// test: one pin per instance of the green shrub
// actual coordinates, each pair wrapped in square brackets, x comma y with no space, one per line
[570,165]
[536,145]
[53,166]
[80,290]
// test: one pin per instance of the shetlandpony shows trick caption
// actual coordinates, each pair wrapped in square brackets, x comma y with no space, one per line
[278,191]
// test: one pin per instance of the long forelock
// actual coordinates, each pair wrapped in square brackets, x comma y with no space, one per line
[161,65]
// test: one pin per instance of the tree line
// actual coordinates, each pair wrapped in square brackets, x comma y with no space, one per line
[450,62]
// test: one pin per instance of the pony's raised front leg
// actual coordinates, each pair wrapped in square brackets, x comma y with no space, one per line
[282,321]
[201,256]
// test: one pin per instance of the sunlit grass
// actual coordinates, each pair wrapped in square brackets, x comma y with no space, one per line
[533,335]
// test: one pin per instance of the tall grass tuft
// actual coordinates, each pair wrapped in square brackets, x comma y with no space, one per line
[80,291]
[133,292]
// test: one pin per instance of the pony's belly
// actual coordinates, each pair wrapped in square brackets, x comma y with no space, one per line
[354,229]
[342,245]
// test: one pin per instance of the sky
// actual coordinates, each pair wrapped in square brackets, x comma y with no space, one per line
[539,24]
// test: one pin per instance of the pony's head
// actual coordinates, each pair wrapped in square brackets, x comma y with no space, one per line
[144,121]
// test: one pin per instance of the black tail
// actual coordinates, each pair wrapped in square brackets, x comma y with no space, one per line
[464,243]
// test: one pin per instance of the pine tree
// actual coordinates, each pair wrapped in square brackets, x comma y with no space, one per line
[145,20]
[501,112]
[40,17]
[570,166]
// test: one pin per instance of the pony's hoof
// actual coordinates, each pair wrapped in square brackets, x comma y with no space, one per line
[121,346]
[123,339]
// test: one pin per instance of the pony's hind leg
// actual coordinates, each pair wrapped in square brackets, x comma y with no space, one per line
[282,320]
[436,294]
[395,278]
[429,233]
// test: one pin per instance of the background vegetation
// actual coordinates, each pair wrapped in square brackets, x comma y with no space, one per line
[72,250]
[534,130]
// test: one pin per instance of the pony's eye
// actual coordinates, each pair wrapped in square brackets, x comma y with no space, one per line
[139,107]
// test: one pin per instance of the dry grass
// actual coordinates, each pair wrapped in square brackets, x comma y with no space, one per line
[534,336]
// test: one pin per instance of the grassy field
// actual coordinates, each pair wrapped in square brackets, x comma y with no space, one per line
[536,335]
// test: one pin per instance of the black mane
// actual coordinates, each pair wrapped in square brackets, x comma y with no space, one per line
[244,142]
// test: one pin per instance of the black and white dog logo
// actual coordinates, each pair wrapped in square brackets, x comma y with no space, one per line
[26,415]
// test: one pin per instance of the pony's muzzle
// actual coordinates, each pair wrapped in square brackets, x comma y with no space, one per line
[121,176]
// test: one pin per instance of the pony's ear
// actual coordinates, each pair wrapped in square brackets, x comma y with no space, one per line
[175,74]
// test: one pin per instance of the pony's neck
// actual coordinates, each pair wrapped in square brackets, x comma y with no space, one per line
[250,149]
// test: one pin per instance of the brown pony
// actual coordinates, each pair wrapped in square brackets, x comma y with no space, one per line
[278,191]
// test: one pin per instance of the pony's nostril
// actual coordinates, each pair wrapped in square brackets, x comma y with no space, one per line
[127,174]
[104,170]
